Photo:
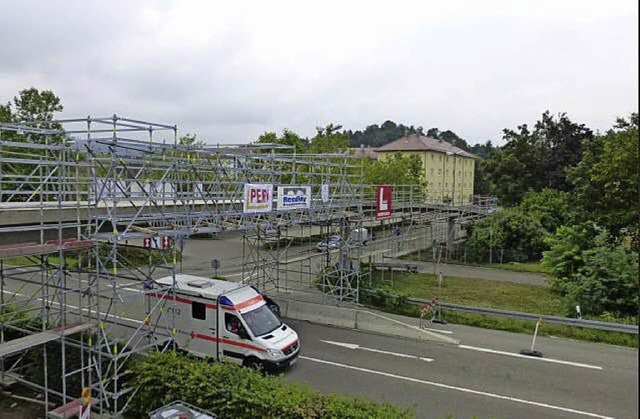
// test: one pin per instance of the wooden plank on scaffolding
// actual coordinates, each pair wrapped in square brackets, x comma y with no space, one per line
[11,251]
[26,342]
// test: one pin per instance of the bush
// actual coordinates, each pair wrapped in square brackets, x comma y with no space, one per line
[231,391]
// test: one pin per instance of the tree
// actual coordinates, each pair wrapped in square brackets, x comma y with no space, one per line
[538,159]
[35,105]
[550,206]
[518,236]
[395,170]
[32,105]
[606,181]
[593,270]
[289,138]
[329,140]
[191,140]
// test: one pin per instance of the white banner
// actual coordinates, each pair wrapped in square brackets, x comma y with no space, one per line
[292,197]
[324,192]
[257,198]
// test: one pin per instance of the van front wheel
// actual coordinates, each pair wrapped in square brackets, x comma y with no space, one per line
[254,364]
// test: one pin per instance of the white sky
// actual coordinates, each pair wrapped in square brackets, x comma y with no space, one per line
[229,71]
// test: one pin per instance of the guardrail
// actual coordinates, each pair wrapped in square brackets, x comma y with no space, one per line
[567,321]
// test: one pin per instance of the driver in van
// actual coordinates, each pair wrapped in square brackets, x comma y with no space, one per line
[233,325]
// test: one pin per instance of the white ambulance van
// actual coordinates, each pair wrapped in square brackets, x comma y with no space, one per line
[228,321]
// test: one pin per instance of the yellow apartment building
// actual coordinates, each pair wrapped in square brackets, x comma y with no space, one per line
[449,170]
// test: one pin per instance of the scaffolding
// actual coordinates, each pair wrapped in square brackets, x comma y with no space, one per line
[78,190]
[74,195]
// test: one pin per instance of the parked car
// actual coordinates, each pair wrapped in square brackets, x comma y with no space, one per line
[331,242]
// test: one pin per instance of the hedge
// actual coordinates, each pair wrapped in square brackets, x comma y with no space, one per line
[231,391]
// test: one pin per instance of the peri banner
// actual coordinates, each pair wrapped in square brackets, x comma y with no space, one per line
[293,197]
[383,202]
[257,198]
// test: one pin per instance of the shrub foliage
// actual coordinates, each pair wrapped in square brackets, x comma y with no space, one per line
[231,391]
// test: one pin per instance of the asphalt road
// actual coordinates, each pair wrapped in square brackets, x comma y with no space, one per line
[198,254]
[467,382]
[484,377]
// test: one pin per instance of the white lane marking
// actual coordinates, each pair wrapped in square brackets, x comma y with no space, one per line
[447,332]
[355,346]
[461,389]
[555,361]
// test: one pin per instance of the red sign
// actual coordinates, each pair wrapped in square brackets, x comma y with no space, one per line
[383,202]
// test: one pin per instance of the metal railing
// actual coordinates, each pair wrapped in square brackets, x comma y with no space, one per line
[566,321]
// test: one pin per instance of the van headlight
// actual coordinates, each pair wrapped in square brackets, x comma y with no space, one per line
[274,353]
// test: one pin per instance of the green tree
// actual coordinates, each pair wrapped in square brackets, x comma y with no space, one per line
[35,105]
[395,170]
[518,237]
[564,258]
[550,206]
[606,181]
[191,140]
[329,140]
[594,270]
[289,138]
[534,160]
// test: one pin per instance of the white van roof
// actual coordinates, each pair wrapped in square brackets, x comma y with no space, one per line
[199,285]
[241,296]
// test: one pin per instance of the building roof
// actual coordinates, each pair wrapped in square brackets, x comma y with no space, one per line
[363,152]
[415,142]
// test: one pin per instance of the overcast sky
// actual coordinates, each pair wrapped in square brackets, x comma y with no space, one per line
[229,71]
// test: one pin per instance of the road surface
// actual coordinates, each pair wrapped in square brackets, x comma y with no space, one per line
[575,379]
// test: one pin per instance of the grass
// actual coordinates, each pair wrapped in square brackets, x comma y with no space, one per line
[32,261]
[476,292]
[531,267]
[495,294]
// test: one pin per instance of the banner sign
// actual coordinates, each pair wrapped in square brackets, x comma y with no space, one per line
[383,202]
[292,197]
[324,193]
[257,198]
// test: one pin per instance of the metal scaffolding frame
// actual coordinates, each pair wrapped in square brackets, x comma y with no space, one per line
[93,186]
[78,190]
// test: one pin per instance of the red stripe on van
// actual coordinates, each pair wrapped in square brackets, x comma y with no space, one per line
[251,301]
[227,341]
[291,344]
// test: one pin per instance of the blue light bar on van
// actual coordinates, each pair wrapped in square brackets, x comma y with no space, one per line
[225,301]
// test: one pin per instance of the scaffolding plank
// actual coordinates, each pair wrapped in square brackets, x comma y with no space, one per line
[51,246]
[11,251]
[23,343]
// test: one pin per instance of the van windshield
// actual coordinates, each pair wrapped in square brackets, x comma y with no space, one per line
[261,320]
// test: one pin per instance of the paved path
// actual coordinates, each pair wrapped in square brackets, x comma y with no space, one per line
[463,271]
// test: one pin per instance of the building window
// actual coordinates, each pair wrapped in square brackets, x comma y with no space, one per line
[431,172]
[439,172]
